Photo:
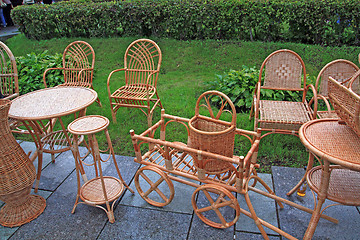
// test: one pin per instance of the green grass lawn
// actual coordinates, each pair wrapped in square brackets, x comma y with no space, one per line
[185,69]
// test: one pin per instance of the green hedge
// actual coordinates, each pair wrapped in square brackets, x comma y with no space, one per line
[329,22]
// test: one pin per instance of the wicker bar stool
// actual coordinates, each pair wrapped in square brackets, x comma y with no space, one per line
[101,190]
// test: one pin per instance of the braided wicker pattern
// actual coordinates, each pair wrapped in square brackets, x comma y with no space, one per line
[343,186]
[283,70]
[17,175]
[92,190]
[16,169]
[210,134]
[282,114]
[340,145]
[341,70]
[346,104]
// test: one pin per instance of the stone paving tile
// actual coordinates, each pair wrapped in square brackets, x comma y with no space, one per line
[200,230]
[265,209]
[252,236]
[6,232]
[295,222]
[141,223]
[85,223]
[181,202]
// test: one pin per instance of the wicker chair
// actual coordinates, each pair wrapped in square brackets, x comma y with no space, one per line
[141,67]
[282,70]
[342,71]
[78,66]
[9,86]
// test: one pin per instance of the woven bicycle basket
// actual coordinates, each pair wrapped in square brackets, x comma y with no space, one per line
[346,103]
[211,134]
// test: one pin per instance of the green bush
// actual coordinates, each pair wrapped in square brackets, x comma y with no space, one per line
[239,87]
[328,22]
[31,68]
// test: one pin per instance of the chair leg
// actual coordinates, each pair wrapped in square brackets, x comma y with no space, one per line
[302,180]
[113,113]
[98,101]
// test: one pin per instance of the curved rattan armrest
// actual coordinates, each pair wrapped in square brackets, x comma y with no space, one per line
[148,79]
[109,77]
[83,70]
[255,102]
[44,76]
[315,99]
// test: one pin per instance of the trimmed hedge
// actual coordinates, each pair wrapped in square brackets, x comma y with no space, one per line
[328,22]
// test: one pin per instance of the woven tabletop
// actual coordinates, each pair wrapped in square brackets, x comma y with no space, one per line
[51,102]
[335,142]
[88,124]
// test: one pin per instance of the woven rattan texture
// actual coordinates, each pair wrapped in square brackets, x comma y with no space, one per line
[346,104]
[283,70]
[343,143]
[282,114]
[222,143]
[92,190]
[88,124]
[343,186]
[341,70]
[16,169]
[326,114]
[51,102]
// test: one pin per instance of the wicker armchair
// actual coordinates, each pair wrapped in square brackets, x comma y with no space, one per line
[78,66]
[341,70]
[9,86]
[282,70]
[141,67]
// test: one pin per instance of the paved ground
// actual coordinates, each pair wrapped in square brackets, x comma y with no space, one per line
[8,32]
[135,219]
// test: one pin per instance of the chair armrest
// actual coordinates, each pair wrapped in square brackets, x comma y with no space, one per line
[83,70]
[315,98]
[109,77]
[44,76]
[148,78]
[255,102]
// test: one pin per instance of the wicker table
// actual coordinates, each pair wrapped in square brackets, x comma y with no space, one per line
[333,143]
[35,108]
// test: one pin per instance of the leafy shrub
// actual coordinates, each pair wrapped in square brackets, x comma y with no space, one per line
[31,69]
[239,87]
[330,22]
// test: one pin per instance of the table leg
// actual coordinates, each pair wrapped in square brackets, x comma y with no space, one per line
[68,139]
[324,185]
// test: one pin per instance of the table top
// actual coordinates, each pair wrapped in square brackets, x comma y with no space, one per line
[51,103]
[332,141]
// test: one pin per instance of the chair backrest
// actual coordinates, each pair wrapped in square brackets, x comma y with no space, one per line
[346,103]
[78,56]
[283,70]
[341,70]
[142,58]
[9,85]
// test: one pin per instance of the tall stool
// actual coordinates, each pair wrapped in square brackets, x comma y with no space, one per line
[101,190]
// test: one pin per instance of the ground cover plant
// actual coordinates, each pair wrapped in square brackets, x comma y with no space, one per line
[186,70]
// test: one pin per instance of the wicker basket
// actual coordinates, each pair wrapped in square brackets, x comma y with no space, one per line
[346,104]
[212,135]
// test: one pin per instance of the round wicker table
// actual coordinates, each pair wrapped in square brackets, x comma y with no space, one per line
[50,104]
[333,143]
